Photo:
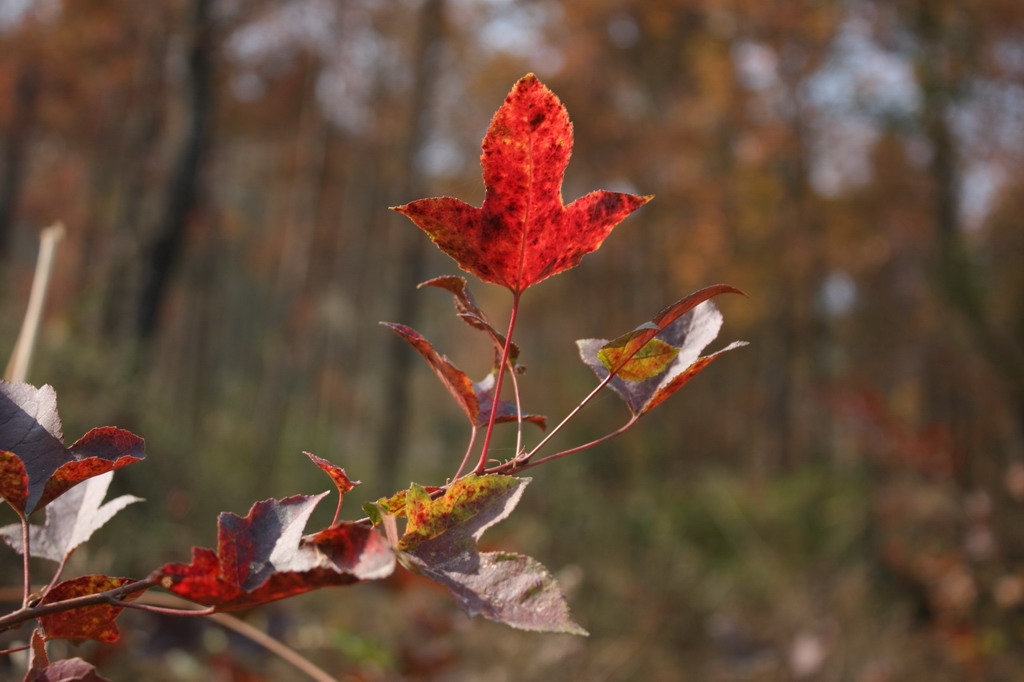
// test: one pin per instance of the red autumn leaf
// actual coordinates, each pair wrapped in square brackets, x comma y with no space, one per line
[523,233]
[440,542]
[35,466]
[645,373]
[67,670]
[340,478]
[474,399]
[336,473]
[467,309]
[264,557]
[88,622]
[454,379]
[38,660]
[71,519]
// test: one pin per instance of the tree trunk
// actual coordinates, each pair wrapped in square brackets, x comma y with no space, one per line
[183,193]
[13,152]
[958,279]
[394,424]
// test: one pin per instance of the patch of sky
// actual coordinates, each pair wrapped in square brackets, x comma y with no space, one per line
[341,37]
[859,87]
[838,293]
[517,28]
[13,12]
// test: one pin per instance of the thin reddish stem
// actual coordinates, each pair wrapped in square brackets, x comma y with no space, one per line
[162,610]
[337,510]
[57,574]
[469,451]
[519,411]
[15,649]
[551,434]
[497,383]
[515,466]
[26,554]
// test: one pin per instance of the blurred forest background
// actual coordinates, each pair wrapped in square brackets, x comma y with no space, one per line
[841,500]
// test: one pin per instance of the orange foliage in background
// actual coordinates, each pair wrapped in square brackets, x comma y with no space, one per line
[842,499]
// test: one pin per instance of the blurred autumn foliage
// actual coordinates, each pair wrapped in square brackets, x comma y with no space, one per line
[841,500]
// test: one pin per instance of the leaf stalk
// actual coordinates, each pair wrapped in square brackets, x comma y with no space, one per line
[497,383]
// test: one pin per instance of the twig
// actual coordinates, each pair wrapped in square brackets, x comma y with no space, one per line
[469,451]
[497,383]
[273,645]
[14,649]
[17,368]
[551,434]
[170,604]
[161,610]
[57,574]
[165,604]
[26,554]
[519,409]
[524,464]
[29,613]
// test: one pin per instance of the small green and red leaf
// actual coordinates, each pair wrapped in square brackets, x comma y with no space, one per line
[35,466]
[464,499]
[523,233]
[623,347]
[637,364]
[657,359]
[88,622]
[264,557]
[393,506]
[440,543]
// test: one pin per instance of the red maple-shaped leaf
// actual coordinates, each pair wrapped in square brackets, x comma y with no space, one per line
[440,543]
[655,360]
[66,670]
[35,466]
[264,556]
[523,233]
[88,622]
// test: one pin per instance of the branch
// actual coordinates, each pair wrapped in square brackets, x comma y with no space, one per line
[109,597]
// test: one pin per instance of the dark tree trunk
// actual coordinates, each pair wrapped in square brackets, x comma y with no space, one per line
[13,152]
[958,278]
[183,193]
[394,425]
